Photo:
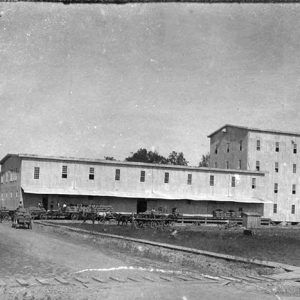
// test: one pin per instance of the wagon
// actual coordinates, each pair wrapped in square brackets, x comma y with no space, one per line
[104,213]
[37,213]
[155,219]
[72,212]
[5,214]
[22,218]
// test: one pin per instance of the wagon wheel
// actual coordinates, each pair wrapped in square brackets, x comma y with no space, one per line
[6,218]
[141,224]
[154,224]
[74,217]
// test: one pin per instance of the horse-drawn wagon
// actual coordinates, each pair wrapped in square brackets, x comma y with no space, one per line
[5,214]
[155,219]
[22,218]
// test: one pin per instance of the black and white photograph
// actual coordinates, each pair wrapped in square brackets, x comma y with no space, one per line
[149,150]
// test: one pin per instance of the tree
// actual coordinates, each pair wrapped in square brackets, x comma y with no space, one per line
[177,159]
[205,160]
[156,158]
[143,155]
[153,157]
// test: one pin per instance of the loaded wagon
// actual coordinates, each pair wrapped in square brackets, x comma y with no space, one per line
[22,218]
[155,219]
[37,213]
[5,214]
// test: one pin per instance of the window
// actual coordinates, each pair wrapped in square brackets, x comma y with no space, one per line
[189,179]
[92,174]
[1,179]
[16,194]
[142,177]
[227,164]
[227,147]
[257,165]
[293,209]
[275,208]
[166,177]
[276,167]
[233,181]
[241,145]
[277,147]
[258,145]
[216,150]
[11,195]
[294,168]
[211,180]
[275,188]
[294,189]
[253,183]
[117,174]
[64,172]
[240,164]
[216,164]
[295,148]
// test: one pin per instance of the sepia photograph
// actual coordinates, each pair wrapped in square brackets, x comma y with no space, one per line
[149,150]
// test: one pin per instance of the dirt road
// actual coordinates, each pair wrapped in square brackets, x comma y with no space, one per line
[38,265]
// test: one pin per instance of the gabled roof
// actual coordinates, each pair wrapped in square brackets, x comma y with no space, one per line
[256,130]
[129,164]
[6,157]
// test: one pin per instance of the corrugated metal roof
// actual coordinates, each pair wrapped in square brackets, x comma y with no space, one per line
[257,130]
[131,164]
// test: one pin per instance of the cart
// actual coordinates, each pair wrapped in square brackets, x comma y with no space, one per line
[22,218]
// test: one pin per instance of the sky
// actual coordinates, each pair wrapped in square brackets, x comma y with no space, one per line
[105,80]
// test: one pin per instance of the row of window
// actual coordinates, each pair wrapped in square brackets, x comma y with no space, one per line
[7,195]
[293,189]
[276,167]
[64,174]
[9,176]
[258,147]
[275,208]
[277,146]
[257,166]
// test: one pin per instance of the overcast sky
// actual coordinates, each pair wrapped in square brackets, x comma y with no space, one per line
[104,80]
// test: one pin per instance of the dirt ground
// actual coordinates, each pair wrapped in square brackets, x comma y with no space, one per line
[41,264]
[278,244]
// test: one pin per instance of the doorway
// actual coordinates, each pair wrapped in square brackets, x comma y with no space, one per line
[141,206]
[45,202]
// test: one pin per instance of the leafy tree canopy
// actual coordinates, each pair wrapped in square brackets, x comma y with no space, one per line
[177,159]
[204,160]
[143,155]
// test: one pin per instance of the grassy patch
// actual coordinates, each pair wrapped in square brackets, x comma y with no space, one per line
[273,244]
